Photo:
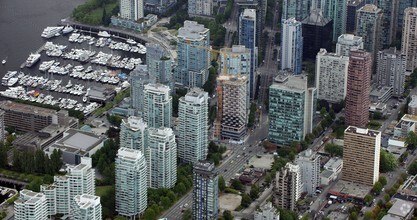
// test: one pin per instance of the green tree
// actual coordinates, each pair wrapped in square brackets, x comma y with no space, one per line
[387,162]
[252,115]
[254,192]
[268,179]
[222,184]
[165,202]
[3,156]
[368,199]
[411,140]
[246,200]
[180,188]
[334,150]
[56,160]
[412,169]
[35,184]
[227,215]
[149,214]
[237,185]
[387,198]
[353,216]
[382,180]
[368,215]
[377,188]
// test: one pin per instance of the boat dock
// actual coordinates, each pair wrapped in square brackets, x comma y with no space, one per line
[37,51]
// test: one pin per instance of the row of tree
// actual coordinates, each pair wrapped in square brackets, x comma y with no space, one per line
[37,162]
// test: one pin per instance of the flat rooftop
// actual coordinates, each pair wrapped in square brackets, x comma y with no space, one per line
[295,83]
[75,140]
[192,31]
[350,189]
[129,154]
[27,109]
[362,131]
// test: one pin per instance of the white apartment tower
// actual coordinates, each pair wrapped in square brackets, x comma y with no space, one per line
[79,180]
[288,186]
[133,133]
[157,106]
[86,207]
[131,188]
[193,126]
[292,46]
[409,40]
[331,76]
[131,9]
[309,163]
[161,156]
[30,206]
[346,42]
[200,8]
[391,68]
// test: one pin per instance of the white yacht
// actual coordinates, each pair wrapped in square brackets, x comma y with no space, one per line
[46,65]
[32,59]
[103,34]
[67,29]
[49,32]
[12,81]
[131,41]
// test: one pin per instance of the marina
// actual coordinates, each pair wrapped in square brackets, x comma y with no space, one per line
[71,62]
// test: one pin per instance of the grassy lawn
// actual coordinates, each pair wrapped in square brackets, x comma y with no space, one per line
[101,190]
[97,14]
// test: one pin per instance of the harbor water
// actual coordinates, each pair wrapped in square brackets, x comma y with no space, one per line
[21,24]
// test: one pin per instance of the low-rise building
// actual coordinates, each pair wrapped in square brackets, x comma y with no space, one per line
[76,144]
[380,94]
[331,170]
[266,212]
[401,210]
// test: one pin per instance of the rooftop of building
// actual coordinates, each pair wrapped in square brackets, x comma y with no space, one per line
[324,52]
[232,79]
[408,117]
[335,215]
[296,83]
[410,186]
[161,132]
[195,96]
[192,31]
[291,21]
[349,38]
[204,166]
[362,131]
[392,51]
[134,123]
[78,140]
[334,162]
[86,201]
[30,197]
[354,2]
[401,208]
[310,154]
[381,91]
[316,18]
[249,13]
[355,190]
[27,109]
[238,49]
[157,88]
[371,8]
[413,102]
[326,173]
[129,154]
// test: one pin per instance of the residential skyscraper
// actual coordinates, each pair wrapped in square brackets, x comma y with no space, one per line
[346,42]
[291,109]
[247,37]
[80,179]
[161,156]
[409,39]
[193,126]
[352,7]
[313,40]
[358,88]
[368,26]
[309,163]
[30,205]
[133,133]
[361,151]
[232,107]
[157,105]
[86,207]
[159,64]
[389,21]
[403,4]
[131,9]
[200,8]
[131,180]
[390,72]
[235,60]
[193,55]
[205,191]
[2,127]
[331,76]
[288,185]
[292,45]
[138,78]
[298,9]
[337,11]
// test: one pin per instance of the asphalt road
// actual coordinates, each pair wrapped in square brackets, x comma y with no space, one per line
[230,165]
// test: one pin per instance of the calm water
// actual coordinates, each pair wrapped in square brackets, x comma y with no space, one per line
[21,24]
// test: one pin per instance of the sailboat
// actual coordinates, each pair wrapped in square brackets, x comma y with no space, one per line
[4,61]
